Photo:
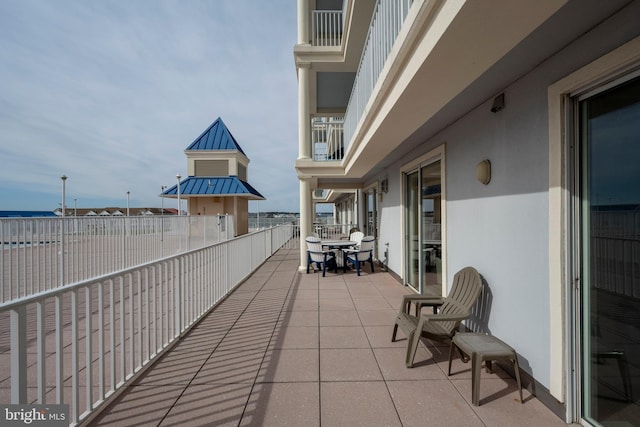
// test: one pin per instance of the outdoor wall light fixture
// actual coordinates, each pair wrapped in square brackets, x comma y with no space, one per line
[498,103]
[483,172]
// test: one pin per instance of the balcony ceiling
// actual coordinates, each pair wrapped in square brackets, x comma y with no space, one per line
[485,47]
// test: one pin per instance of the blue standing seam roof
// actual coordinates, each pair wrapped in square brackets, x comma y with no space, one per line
[27,214]
[213,186]
[216,137]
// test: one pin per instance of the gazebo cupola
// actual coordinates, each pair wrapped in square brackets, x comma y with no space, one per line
[217,177]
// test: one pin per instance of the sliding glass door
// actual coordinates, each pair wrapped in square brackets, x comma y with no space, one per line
[423,219]
[371,214]
[609,329]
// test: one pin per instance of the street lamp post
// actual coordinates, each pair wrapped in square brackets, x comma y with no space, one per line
[179,202]
[64,207]
[75,207]
[128,193]
[162,188]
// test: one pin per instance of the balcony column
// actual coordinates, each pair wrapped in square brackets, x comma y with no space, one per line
[306,220]
[360,214]
[304,119]
[303,21]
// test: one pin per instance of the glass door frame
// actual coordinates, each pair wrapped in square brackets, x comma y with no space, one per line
[433,156]
[412,227]
[578,250]
[564,345]
[370,202]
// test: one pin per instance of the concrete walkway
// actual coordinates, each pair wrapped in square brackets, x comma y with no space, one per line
[290,349]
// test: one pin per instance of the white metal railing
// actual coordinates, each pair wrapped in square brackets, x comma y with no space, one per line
[332,231]
[327,138]
[326,28]
[615,264]
[615,251]
[88,339]
[388,17]
[261,221]
[39,254]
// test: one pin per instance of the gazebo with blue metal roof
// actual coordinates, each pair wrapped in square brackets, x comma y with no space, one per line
[217,177]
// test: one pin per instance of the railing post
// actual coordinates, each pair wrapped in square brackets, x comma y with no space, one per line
[2,266]
[124,243]
[19,355]
[271,250]
[188,233]
[204,230]
[41,350]
[59,350]
[75,367]
[178,295]
[62,250]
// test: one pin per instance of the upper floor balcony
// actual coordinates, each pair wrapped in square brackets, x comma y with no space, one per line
[327,138]
[326,28]
[405,69]
[348,50]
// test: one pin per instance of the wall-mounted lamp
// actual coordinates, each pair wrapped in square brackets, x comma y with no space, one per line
[384,186]
[498,103]
[483,172]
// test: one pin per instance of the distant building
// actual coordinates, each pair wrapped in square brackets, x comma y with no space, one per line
[114,211]
[217,177]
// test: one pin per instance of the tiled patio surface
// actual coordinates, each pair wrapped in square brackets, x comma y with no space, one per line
[290,349]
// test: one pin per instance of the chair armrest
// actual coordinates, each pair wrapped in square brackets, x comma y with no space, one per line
[434,304]
[444,317]
[420,301]
[418,297]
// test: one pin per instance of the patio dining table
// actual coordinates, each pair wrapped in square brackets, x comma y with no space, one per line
[340,245]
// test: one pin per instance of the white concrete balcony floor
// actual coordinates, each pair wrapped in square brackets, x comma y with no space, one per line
[290,349]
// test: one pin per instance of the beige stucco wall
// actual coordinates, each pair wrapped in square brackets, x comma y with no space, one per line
[236,206]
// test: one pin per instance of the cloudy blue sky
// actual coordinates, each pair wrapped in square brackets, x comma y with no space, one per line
[111,92]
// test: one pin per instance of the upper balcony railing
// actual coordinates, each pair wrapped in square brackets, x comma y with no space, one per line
[327,138]
[388,18]
[326,28]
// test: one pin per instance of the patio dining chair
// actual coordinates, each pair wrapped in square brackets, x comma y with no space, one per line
[356,236]
[363,254]
[448,312]
[322,258]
